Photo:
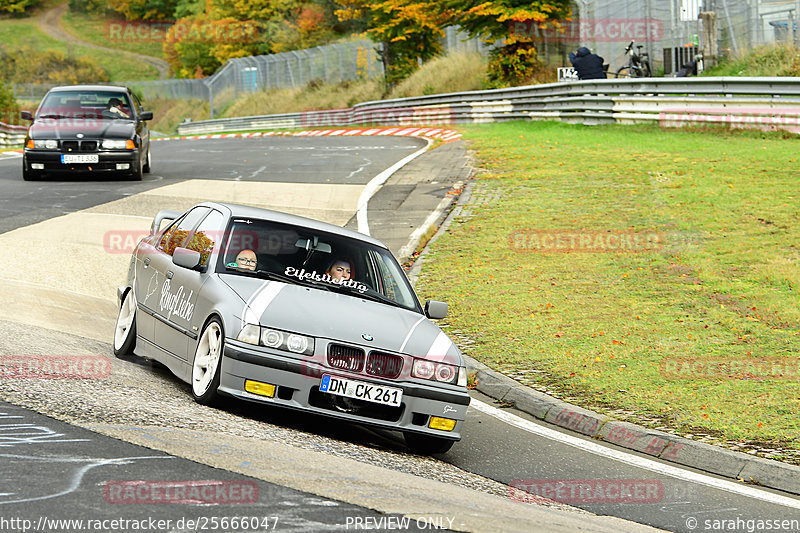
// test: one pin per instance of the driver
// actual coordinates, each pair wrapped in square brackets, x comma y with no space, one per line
[340,269]
[115,106]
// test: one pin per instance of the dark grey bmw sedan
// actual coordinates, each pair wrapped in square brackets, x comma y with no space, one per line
[87,129]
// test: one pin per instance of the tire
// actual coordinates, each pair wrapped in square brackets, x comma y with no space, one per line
[624,72]
[646,72]
[29,175]
[207,362]
[146,168]
[426,445]
[136,175]
[125,328]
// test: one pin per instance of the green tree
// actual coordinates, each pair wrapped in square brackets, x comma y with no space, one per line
[9,110]
[514,61]
[410,31]
[144,9]
[17,6]
[28,65]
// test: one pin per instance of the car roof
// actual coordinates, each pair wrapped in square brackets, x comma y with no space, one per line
[237,210]
[112,88]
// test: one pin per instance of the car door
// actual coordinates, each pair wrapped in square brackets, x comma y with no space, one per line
[173,302]
[142,129]
[185,317]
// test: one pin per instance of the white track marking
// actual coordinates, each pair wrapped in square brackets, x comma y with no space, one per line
[376,182]
[635,460]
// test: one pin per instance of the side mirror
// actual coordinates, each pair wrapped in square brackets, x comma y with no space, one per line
[146,115]
[26,115]
[435,310]
[183,257]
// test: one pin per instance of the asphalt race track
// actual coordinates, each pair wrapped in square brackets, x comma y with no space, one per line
[65,248]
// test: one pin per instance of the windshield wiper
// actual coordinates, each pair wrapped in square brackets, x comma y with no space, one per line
[51,116]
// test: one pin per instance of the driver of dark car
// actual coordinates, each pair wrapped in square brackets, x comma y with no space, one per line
[115,106]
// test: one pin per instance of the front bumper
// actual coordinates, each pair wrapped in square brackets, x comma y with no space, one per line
[298,388]
[107,161]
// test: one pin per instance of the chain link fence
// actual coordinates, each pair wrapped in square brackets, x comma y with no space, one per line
[664,27]
[669,30]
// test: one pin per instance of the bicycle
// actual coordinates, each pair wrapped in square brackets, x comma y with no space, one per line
[638,65]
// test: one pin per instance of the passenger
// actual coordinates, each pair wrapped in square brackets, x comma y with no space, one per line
[246,259]
[340,269]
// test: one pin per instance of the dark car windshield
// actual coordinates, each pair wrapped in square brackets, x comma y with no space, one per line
[85,104]
[326,261]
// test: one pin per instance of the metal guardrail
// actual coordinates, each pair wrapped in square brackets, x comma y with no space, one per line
[769,103]
[11,136]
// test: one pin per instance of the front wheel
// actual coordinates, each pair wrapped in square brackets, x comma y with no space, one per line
[624,72]
[136,172]
[30,175]
[427,445]
[125,329]
[147,168]
[207,362]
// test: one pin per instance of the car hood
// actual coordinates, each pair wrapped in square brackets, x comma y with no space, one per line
[341,317]
[69,128]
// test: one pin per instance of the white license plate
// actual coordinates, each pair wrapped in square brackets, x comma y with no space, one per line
[79,158]
[361,390]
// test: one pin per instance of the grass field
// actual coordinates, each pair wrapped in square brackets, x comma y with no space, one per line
[18,33]
[96,31]
[606,328]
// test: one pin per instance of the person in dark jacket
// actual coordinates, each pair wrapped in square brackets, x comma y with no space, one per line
[588,65]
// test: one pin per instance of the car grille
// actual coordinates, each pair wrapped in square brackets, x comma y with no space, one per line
[346,357]
[79,146]
[384,365]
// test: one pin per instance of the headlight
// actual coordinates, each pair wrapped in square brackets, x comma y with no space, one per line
[43,144]
[443,372]
[271,338]
[279,340]
[110,144]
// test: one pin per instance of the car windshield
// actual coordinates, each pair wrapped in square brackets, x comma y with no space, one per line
[326,261]
[85,104]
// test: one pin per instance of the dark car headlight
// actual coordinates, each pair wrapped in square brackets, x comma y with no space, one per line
[442,372]
[280,340]
[118,144]
[42,144]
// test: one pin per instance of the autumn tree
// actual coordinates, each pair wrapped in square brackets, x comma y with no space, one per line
[16,6]
[410,31]
[144,9]
[513,62]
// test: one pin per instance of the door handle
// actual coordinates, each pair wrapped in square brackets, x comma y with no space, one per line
[169,274]
[147,262]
